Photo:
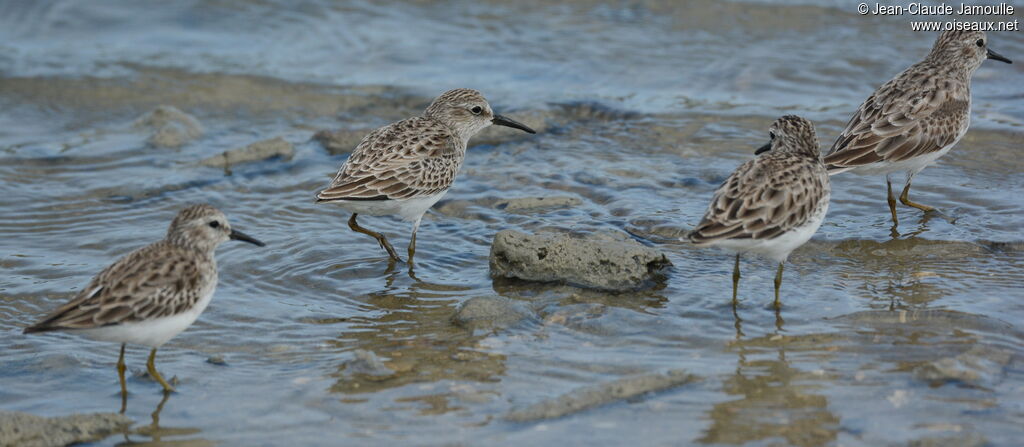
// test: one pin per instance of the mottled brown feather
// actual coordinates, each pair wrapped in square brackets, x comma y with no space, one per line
[411,158]
[922,110]
[159,280]
[764,198]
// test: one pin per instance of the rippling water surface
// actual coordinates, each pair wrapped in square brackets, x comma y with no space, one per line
[643,107]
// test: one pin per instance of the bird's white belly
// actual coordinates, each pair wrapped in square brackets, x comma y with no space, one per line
[152,333]
[914,165]
[408,209]
[780,247]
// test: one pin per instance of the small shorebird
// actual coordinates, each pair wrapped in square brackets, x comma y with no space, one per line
[153,293]
[404,168]
[916,117]
[772,204]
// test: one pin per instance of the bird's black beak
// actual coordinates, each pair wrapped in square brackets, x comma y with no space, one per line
[763,149]
[997,56]
[240,236]
[507,122]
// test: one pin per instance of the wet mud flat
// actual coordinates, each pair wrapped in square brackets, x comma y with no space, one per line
[382,352]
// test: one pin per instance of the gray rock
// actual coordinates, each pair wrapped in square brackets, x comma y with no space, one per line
[601,394]
[366,364]
[606,261]
[171,127]
[489,312]
[260,150]
[537,203]
[28,430]
[340,141]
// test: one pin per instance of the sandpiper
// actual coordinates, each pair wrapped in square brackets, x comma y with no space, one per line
[772,204]
[916,117]
[153,293]
[404,168]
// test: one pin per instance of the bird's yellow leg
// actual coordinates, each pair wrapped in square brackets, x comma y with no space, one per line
[778,284]
[892,204]
[412,240]
[381,239]
[151,367]
[120,376]
[906,200]
[735,280]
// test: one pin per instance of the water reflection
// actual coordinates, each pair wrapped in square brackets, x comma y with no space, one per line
[773,404]
[775,399]
[915,349]
[912,272]
[156,433]
[641,301]
[922,225]
[409,328]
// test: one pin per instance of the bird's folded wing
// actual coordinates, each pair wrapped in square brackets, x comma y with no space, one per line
[138,287]
[899,122]
[397,162]
[762,202]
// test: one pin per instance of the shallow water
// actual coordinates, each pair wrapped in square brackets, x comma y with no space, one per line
[643,106]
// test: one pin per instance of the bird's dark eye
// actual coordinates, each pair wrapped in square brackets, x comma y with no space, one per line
[476,110]
[980,42]
[771,135]
[214,224]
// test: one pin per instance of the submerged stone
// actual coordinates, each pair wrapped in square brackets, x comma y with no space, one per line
[600,394]
[341,141]
[366,364]
[489,312]
[28,430]
[260,150]
[171,127]
[537,203]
